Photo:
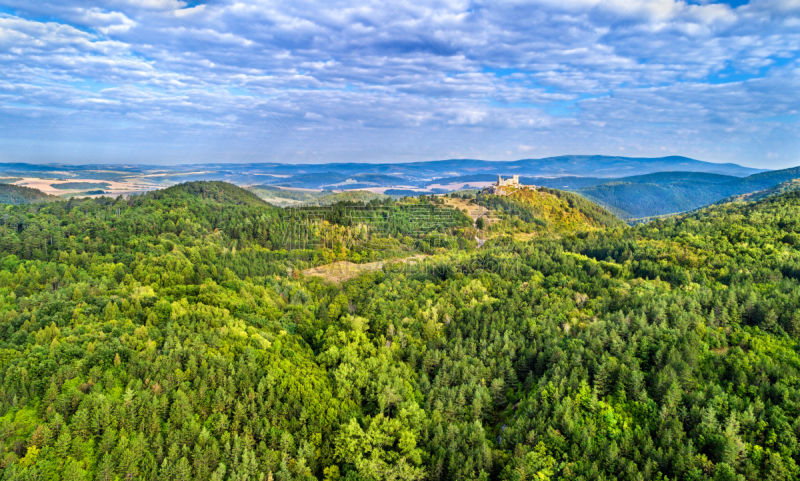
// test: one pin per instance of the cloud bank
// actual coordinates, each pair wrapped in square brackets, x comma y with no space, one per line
[165,81]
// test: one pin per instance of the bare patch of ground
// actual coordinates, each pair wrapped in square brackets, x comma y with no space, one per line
[473,210]
[346,270]
[281,202]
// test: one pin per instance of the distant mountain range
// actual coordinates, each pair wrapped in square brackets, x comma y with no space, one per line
[421,174]
[357,175]
[631,187]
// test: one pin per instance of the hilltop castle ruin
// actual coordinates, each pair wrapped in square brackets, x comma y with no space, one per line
[506,186]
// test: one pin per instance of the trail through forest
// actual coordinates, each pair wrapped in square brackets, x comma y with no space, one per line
[344,270]
[475,212]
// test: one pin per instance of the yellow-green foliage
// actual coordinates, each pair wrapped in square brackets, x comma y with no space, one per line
[552,210]
[362,196]
[160,338]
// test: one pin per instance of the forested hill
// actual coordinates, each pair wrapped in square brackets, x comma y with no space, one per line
[781,188]
[671,192]
[555,210]
[17,194]
[172,336]
[220,192]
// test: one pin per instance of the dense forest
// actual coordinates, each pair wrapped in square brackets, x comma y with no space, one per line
[670,192]
[17,194]
[788,186]
[172,336]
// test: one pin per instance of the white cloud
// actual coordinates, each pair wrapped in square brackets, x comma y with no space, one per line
[109,23]
[185,12]
[151,4]
[574,75]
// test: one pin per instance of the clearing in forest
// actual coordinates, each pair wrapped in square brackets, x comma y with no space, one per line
[345,270]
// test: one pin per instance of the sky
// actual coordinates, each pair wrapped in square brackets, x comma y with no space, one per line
[167,81]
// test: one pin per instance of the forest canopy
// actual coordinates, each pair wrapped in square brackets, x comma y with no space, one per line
[18,194]
[174,336]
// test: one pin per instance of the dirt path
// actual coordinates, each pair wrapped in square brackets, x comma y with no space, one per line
[345,270]
[475,226]
[475,212]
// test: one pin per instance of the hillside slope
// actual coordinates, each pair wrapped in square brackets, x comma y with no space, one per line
[614,166]
[552,209]
[782,188]
[221,192]
[362,196]
[284,197]
[18,194]
[670,192]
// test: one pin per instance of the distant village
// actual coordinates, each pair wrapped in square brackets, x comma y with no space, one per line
[507,186]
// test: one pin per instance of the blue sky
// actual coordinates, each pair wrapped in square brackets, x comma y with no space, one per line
[166,81]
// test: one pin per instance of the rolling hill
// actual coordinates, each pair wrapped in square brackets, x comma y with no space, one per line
[18,194]
[788,186]
[418,174]
[630,187]
[552,209]
[670,192]
[286,197]
[283,197]
[220,193]
[362,196]
[81,185]
[565,165]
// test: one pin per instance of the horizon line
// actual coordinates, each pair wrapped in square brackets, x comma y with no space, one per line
[161,165]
